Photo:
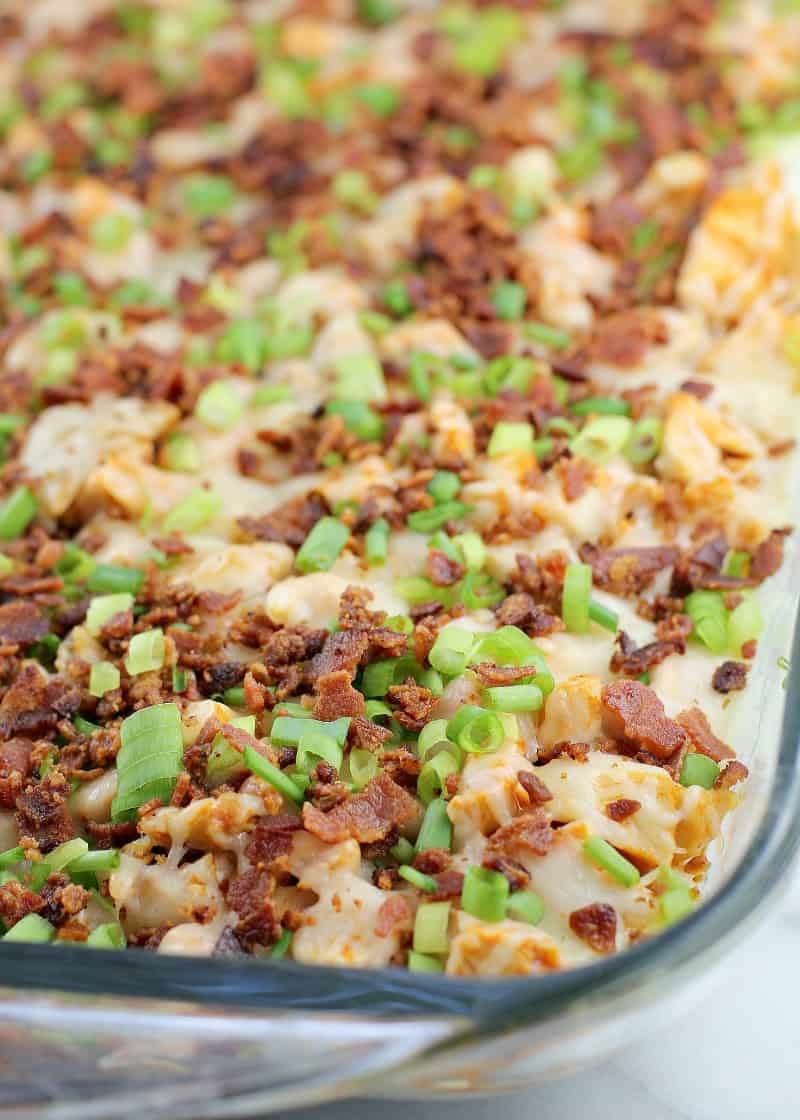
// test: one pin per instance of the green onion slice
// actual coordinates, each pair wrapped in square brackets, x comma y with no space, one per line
[150,758]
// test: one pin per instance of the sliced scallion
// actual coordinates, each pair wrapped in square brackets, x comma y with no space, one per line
[604,855]
[103,608]
[698,770]
[145,652]
[103,678]
[150,757]
[430,927]
[322,546]
[485,894]
[265,770]
[436,830]
[191,514]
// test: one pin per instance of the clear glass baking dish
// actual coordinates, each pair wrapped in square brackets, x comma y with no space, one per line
[86,1033]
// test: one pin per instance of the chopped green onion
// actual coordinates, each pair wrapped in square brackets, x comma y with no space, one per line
[287,731]
[674,905]
[475,730]
[65,853]
[11,856]
[322,546]
[430,736]
[314,747]
[600,852]
[352,188]
[396,299]
[100,860]
[103,608]
[418,962]
[508,436]
[601,406]
[150,758]
[84,727]
[219,406]
[430,927]
[234,697]
[436,830]
[429,520]
[35,165]
[270,394]
[709,619]
[443,486]
[403,851]
[103,678]
[451,650]
[547,335]
[16,513]
[281,946]
[485,894]
[576,597]
[265,770]
[181,453]
[472,549]
[6,565]
[417,589]
[601,439]
[744,624]
[363,767]
[358,418]
[111,232]
[509,300]
[191,514]
[507,646]
[380,98]
[422,882]
[561,426]
[207,195]
[241,343]
[644,442]
[112,578]
[359,377]
[432,776]
[514,698]
[110,935]
[526,906]
[71,289]
[376,543]
[32,929]
[698,770]
[737,564]
[603,616]
[145,652]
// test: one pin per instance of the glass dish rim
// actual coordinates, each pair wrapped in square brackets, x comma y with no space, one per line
[488,1005]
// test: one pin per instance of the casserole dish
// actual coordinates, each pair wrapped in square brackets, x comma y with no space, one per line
[114,1035]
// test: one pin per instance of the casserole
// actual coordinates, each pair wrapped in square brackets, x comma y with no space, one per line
[508,1031]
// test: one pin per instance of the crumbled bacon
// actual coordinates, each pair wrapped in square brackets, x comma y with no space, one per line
[290,523]
[626,571]
[565,748]
[21,623]
[633,712]
[272,838]
[42,814]
[695,723]
[730,676]
[768,557]
[336,696]
[449,884]
[528,834]
[622,808]
[622,339]
[16,901]
[633,660]
[731,774]
[367,816]
[441,570]
[595,924]
[576,477]
[15,766]
[249,894]
[534,787]
[367,735]
[34,704]
[520,610]
[412,704]
[394,911]
[62,899]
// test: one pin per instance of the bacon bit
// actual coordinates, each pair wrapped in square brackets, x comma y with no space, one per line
[491,675]
[367,816]
[633,660]
[402,767]
[249,894]
[441,570]
[768,556]
[432,861]
[185,791]
[272,838]
[62,899]
[42,814]
[731,774]
[542,578]
[699,389]
[367,735]
[565,748]
[595,924]
[613,222]
[749,649]
[34,704]
[112,835]
[514,872]
[290,523]
[576,477]
[626,571]
[783,447]
[633,712]
[520,610]
[622,339]
[529,833]
[15,766]
[215,602]
[448,885]
[537,791]
[21,623]
[255,694]
[621,809]
[412,704]
[336,696]
[394,911]
[342,652]
[730,676]
[695,723]
[16,901]
[674,628]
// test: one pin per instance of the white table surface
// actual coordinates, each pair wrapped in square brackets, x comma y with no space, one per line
[736,1056]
